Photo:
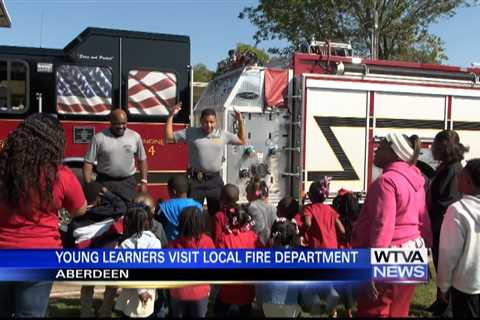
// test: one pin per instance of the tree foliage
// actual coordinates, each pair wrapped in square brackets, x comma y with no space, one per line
[201,73]
[262,56]
[402,24]
[242,55]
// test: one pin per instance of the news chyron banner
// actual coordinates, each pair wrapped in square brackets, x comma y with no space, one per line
[392,265]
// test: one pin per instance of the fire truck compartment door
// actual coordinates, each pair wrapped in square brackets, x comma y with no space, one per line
[335,137]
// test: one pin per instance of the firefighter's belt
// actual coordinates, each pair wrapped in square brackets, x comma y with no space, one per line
[201,176]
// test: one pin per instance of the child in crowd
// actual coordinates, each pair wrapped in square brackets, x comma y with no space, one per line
[100,227]
[458,277]
[191,301]
[157,228]
[276,299]
[161,302]
[262,213]
[289,208]
[169,211]
[138,223]
[228,199]
[346,204]
[322,222]
[322,225]
[237,234]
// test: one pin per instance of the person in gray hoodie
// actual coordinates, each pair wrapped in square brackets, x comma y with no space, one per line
[262,213]
[458,267]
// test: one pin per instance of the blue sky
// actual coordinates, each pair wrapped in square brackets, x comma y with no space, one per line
[213,25]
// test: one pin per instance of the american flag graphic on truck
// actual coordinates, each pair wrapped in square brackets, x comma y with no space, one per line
[84,90]
[151,92]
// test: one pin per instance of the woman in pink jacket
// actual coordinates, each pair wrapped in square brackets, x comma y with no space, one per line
[394,215]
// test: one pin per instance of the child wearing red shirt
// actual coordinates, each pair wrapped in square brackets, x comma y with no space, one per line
[322,222]
[288,208]
[237,234]
[191,301]
[228,197]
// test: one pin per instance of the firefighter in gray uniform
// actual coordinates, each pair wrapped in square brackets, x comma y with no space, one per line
[205,154]
[115,150]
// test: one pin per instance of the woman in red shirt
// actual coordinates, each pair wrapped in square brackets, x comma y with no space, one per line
[34,185]
[191,301]
[237,234]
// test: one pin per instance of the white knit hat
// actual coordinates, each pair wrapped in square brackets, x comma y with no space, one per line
[400,146]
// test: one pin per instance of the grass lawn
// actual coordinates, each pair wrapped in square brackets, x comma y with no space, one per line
[424,296]
[64,307]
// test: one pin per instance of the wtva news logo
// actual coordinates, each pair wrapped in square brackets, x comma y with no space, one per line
[400,265]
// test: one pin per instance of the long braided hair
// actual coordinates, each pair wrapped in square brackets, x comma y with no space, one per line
[136,220]
[29,162]
[347,206]
[191,223]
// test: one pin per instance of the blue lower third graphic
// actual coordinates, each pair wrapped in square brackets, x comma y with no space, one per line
[210,265]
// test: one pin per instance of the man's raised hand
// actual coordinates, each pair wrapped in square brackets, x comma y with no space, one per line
[172,111]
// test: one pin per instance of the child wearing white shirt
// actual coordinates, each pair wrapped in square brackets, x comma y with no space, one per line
[133,302]
[459,267]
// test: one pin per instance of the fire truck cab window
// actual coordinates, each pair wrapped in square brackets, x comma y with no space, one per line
[151,92]
[13,86]
[83,90]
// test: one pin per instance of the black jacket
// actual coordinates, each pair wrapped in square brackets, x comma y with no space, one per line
[443,191]
[110,206]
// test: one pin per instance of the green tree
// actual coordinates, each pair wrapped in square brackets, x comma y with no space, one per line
[402,24]
[201,73]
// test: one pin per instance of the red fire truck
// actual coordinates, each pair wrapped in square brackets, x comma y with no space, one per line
[326,112]
[102,69]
